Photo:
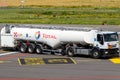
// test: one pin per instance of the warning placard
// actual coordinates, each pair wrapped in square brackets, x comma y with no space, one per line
[31,61]
[42,61]
[59,60]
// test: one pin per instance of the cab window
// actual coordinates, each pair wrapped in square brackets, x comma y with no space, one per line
[100,39]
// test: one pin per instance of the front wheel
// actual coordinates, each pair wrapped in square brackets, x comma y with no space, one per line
[96,54]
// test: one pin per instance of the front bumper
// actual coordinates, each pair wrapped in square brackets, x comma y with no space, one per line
[110,52]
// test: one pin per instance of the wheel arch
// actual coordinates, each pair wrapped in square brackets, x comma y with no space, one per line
[95,49]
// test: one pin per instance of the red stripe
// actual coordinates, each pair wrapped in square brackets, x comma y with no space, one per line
[13,56]
[69,78]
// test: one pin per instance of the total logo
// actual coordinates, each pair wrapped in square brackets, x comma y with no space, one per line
[37,35]
[44,35]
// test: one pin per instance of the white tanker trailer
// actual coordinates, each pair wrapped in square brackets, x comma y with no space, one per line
[65,41]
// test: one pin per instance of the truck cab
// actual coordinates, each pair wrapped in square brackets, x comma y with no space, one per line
[107,43]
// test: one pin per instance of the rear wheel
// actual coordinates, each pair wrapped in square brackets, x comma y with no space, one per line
[38,50]
[70,52]
[31,48]
[23,48]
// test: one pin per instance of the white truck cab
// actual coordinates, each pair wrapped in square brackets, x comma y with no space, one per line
[107,43]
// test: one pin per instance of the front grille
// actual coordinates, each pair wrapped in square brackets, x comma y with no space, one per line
[110,51]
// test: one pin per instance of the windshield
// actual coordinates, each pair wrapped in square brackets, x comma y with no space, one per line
[110,37]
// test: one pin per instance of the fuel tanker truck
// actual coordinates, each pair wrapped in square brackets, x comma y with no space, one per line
[65,41]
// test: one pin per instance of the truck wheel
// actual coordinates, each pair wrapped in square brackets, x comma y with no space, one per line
[70,52]
[38,50]
[23,48]
[96,54]
[31,48]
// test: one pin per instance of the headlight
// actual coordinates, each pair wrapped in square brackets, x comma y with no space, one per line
[118,51]
[106,52]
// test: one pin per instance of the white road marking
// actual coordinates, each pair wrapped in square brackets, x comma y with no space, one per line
[2,54]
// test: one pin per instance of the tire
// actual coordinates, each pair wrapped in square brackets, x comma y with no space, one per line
[31,48]
[38,50]
[70,52]
[23,48]
[95,54]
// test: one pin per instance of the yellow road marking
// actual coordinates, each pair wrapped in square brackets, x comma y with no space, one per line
[42,61]
[73,60]
[115,60]
[1,61]
[19,61]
